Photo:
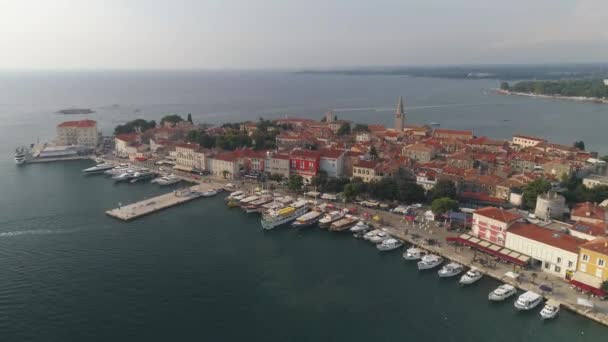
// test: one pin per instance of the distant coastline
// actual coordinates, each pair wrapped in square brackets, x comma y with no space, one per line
[557,97]
[73,111]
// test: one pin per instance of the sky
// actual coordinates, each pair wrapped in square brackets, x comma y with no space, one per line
[294,34]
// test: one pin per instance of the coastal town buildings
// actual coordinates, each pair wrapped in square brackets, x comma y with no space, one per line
[491,224]
[277,164]
[588,212]
[592,265]
[526,141]
[82,132]
[331,162]
[304,163]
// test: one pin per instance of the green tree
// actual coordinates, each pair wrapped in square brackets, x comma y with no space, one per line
[579,144]
[173,118]
[504,86]
[373,153]
[319,180]
[604,286]
[354,188]
[189,118]
[295,182]
[360,128]
[443,188]
[137,125]
[532,190]
[443,205]
[344,129]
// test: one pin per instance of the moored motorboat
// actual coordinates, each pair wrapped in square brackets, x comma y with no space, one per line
[343,224]
[20,155]
[329,218]
[389,244]
[413,253]
[307,219]
[98,168]
[472,275]
[450,270]
[248,200]
[167,180]
[359,227]
[209,193]
[371,234]
[429,261]
[380,237]
[233,195]
[528,301]
[502,292]
[141,176]
[550,310]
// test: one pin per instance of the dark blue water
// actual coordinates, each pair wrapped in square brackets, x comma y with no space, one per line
[203,272]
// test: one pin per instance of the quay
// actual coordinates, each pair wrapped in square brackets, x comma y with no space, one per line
[148,206]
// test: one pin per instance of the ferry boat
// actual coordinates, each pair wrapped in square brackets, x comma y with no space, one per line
[528,301]
[255,205]
[20,155]
[450,270]
[471,276]
[550,310]
[274,218]
[98,168]
[413,253]
[307,219]
[502,292]
[389,244]
[330,218]
[343,224]
[429,261]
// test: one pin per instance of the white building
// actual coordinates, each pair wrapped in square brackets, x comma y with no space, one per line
[363,137]
[426,179]
[126,144]
[595,180]
[277,164]
[223,165]
[553,251]
[83,132]
[332,162]
[492,223]
[525,141]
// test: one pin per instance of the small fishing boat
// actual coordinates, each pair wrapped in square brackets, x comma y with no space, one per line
[550,310]
[429,261]
[380,237]
[389,244]
[528,301]
[413,253]
[473,275]
[502,292]
[359,227]
[450,270]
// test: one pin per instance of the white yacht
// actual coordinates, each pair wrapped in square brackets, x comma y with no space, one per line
[429,261]
[528,301]
[20,155]
[380,237]
[98,168]
[389,244]
[330,218]
[413,253]
[502,292]
[168,180]
[450,270]
[209,193]
[371,234]
[125,176]
[471,276]
[359,227]
[142,175]
[275,218]
[550,310]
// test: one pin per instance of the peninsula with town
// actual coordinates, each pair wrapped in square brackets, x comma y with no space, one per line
[529,212]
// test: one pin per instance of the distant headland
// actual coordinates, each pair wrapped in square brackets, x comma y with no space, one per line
[71,111]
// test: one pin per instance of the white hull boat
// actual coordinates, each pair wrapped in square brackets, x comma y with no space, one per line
[429,261]
[389,245]
[276,218]
[471,276]
[209,193]
[550,310]
[450,270]
[502,292]
[359,227]
[379,238]
[413,253]
[528,301]
[98,168]
[307,219]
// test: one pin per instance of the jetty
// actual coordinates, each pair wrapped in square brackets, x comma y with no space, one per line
[148,206]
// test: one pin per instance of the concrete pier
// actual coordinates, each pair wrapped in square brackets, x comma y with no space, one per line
[152,205]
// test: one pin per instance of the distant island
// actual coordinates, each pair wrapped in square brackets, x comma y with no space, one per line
[71,111]
[595,90]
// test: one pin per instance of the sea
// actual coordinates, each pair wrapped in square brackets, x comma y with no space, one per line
[203,272]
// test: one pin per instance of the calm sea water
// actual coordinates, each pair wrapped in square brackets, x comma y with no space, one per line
[203,272]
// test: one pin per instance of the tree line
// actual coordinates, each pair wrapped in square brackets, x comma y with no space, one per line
[580,87]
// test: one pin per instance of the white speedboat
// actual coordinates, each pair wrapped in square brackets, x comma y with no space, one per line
[550,310]
[502,292]
[307,219]
[233,195]
[142,175]
[450,270]
[528,301]
[413,253]
[330,218]
[429,261]
[471,276]
[380,237]
[168,180]
[123,177]
[209,193]
[359,227]
[389,244]
[371,234]
[274,218]
[98,168]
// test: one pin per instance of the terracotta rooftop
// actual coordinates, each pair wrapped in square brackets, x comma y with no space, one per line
[331,153]
[547,236]
[368,164]
[452,132]
[599,245]
[305,153]
[497,214]
[78,124]
[593,229]
[589,210]
[479,196]
[127,137]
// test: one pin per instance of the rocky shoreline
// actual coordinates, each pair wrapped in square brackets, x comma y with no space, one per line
[558,97]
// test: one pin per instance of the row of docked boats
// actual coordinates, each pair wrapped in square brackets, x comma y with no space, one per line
[132,174]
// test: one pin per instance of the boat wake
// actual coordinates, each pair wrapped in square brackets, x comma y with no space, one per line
[37,232]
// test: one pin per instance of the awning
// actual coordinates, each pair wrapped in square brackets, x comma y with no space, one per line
[588,283]
[492,249]
[183,168]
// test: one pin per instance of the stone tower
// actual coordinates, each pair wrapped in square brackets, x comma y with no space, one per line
[399,116]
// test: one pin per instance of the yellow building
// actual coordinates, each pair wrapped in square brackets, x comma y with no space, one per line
[592,263]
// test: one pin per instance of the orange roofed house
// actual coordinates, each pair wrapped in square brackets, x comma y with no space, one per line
[452,134]
[492,223]
[588,212]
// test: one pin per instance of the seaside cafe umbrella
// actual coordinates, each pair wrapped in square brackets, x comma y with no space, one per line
[545,288]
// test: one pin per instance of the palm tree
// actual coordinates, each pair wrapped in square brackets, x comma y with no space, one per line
[225,173]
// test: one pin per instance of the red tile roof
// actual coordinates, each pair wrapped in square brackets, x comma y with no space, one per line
[78,124]
[593,229]
[127,137]
[452,132]
[497,214]
[305,153]
[479,196]
[590,210]
[547,236]
[331,153]
[599,245]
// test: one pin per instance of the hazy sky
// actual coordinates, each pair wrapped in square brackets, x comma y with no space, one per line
[215,34]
